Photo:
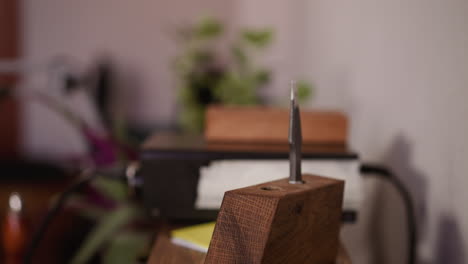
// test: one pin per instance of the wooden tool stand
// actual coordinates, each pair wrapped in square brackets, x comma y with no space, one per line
[279,222]
[273,222]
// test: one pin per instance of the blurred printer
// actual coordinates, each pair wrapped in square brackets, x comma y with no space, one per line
[185,177]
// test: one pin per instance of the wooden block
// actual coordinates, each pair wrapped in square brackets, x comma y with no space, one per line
[270,125]
[278,222]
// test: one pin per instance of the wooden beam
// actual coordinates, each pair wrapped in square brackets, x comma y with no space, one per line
[9,49]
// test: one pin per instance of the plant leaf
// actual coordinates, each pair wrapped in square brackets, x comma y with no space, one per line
[126,248]
[258,38]
[240,56]
[208,28]
[115,190]
[103,232]
[262,76]
[304,91]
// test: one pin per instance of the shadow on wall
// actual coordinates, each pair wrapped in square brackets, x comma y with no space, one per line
[389,230]
[399,158]
[449,246]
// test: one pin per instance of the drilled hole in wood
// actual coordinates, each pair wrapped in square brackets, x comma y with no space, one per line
[270,188]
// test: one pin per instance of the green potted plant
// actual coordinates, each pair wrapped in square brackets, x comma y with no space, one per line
[206,75]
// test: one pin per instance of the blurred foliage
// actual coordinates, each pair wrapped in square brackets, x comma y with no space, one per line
[126,248]
[258,38]
[206,75]
[114,236]
[208,28]
[106,227]
[304,90]
[122,230]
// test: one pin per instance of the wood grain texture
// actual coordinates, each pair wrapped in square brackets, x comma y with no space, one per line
[270,125]
[278,222]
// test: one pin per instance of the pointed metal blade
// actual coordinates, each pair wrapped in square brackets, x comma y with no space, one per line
[295,140]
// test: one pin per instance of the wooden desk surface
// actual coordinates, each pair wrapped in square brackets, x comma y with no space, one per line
[164,251]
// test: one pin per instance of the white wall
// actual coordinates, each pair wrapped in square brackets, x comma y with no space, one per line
[285,57]
[400,69]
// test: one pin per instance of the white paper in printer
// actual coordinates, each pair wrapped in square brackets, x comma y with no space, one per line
[225,175]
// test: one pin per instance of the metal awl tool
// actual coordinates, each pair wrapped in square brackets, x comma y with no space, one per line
[295,140]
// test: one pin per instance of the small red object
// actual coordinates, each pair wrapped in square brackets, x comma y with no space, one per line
[14,231]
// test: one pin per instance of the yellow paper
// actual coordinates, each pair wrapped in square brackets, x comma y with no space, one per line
[196,237]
